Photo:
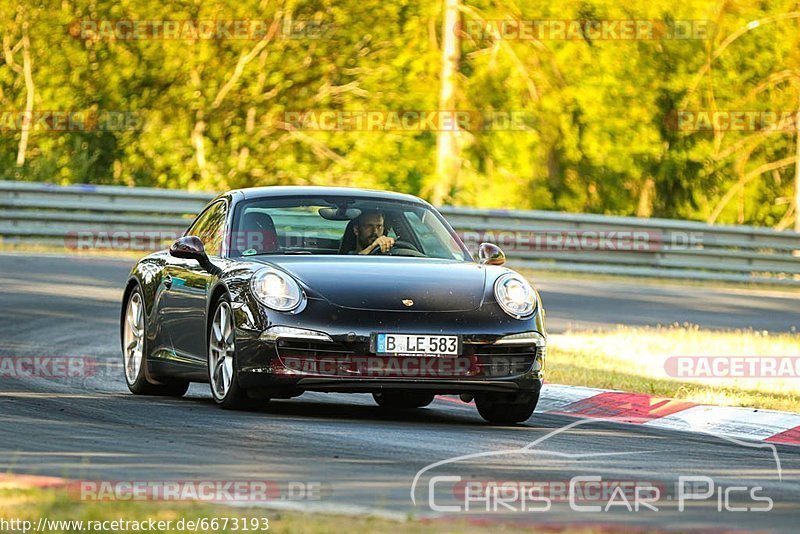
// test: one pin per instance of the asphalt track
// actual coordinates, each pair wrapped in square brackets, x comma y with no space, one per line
[361,459]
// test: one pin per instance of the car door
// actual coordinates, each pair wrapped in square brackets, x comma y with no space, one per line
[186,289]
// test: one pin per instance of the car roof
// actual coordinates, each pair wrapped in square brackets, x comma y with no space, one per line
[319,191]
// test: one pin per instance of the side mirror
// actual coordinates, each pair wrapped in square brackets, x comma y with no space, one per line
[490,254]
[191,248]
[188,247]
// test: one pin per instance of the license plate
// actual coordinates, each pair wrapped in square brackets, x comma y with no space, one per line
[417,344]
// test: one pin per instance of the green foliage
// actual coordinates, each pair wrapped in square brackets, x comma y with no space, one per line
[597,133]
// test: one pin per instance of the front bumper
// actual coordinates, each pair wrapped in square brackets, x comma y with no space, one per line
[349,366]
[346,362]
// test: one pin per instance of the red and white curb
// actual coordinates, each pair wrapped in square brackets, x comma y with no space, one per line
[662,412]
[672,414]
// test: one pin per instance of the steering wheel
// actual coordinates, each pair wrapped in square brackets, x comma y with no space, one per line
[406,248]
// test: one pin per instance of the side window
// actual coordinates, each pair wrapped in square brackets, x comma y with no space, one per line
[209,228]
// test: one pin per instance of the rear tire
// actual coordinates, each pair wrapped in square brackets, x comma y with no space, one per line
[134,352]
[403,400]
[506,409]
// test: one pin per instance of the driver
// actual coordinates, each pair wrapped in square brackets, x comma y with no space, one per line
[368,228]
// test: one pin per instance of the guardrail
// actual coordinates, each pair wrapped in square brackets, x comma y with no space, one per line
[48,214]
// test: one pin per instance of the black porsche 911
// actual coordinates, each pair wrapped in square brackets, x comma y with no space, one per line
[275,291]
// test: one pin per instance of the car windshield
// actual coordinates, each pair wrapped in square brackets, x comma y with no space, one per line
[341,225]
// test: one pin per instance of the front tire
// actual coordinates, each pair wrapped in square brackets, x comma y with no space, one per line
[222,359]
[134,352]
[402,400]
[507,409]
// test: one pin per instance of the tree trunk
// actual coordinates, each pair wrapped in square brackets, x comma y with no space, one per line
[447,150]
[645,205]
[198,142]
[27,70]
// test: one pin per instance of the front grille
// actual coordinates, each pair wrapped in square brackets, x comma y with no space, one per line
[497,361]
[312,349]
[314,357]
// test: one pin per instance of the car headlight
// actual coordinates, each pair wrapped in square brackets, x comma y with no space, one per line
[515,295]
[276,289]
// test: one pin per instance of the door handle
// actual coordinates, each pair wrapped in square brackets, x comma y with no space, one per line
[168,281]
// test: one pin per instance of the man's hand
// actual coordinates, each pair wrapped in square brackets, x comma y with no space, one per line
[384,242]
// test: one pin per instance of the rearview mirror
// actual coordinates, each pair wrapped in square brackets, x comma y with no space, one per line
[490,254]
[339,214]
[191,248]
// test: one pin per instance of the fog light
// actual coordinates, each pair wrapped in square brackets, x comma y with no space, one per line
[274,333]
[524,338]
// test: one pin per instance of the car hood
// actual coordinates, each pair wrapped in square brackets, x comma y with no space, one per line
[383,283]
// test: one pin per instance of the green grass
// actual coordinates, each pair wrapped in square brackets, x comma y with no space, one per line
[632,359]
